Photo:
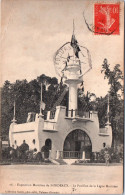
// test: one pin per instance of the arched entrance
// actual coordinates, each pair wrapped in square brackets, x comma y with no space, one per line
[46,148]
[76,142]
[48,144]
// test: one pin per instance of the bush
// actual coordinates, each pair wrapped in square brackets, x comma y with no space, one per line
[34,156]
[81,161]
[6,153]
[18,155]
[110,154]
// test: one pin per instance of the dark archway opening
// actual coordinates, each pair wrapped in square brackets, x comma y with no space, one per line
[45,149]
[78,141]
[48,143]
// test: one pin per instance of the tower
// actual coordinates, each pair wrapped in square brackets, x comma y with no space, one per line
[73,78]
[72,74]
[72,61]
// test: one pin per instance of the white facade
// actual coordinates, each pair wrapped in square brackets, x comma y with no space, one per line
[57,130]
[67,133]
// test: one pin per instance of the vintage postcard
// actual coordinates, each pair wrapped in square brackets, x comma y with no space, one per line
[62,121]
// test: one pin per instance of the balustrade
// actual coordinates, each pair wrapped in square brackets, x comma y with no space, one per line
[70,155]
[73,113]
[52,114]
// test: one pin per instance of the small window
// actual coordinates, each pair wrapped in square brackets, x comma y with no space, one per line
[104,145]
[15,142]
[34,141]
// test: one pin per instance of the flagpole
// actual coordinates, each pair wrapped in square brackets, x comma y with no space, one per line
[73,27]
[73,35]
[108,109]
[41,100]
[14,112]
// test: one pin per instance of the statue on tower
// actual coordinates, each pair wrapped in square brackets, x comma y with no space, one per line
[70,54]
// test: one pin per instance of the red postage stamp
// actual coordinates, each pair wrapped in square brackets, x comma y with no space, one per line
[106,18]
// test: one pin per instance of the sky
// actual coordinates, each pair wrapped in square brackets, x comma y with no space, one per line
[32,31]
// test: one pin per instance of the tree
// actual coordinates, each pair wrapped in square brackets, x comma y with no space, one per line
[85,102]
[115,79]
[27,98]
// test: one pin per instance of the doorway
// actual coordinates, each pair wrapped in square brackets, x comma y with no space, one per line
[76,142]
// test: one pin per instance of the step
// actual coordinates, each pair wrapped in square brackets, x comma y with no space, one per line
[60,161]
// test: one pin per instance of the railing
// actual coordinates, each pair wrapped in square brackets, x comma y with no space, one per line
[31,117]
[70,154]
[52,114]
[73,113]
[45,114]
